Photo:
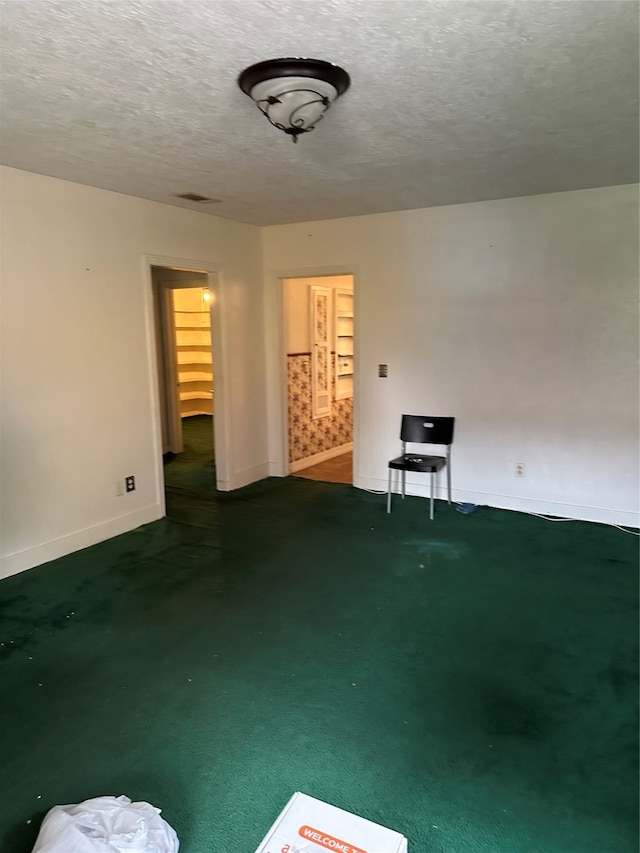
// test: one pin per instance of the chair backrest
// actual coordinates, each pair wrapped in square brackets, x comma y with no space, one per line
[423,429]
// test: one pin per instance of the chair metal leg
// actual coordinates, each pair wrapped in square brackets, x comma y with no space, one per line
[389,491]
[433,484]
[449,480]
[404,484]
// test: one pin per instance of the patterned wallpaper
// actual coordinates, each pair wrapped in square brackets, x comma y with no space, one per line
[306,435]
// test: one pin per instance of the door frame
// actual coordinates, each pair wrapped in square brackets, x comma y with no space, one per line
[166,343]
[222,431]
[319,273]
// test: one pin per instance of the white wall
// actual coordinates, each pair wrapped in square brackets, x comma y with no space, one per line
[77,382]
[519,317]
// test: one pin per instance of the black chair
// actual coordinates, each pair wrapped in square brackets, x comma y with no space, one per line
[423,429]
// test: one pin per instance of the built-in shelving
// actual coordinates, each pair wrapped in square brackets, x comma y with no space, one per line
[193,347]
[343,324]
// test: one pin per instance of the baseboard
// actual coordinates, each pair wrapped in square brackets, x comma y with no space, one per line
[44,553]
[601,515]
[275,469]
[248,476]
[319,457]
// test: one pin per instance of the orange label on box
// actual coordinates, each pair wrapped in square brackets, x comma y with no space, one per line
[328,841]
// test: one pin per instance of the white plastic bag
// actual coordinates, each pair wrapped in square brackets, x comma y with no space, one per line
[106,825]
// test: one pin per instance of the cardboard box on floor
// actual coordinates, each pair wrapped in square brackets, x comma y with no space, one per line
[307,825]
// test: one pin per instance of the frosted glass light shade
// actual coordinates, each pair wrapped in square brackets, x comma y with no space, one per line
[294,94]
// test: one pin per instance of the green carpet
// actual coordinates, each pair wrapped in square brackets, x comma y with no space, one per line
[194,469]
[470,682]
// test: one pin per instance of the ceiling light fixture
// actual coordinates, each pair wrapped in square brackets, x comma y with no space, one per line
[294,94]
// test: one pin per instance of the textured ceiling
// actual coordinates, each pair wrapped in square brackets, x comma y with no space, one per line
[450,101]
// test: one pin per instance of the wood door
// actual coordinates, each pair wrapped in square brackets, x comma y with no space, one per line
[171,421]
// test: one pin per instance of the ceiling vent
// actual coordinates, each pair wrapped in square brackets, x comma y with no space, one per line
[200,199]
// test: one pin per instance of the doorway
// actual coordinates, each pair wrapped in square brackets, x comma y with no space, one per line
[184,347]
[320,357]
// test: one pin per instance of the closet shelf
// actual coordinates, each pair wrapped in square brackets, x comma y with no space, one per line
[193,328]
[195,395]
[343,325]
[193,354]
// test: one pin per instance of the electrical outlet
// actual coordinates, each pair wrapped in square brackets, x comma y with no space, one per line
[383,371]
[521,469]
[130,483]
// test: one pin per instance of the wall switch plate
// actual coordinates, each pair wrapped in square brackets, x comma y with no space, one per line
[119,488]
[130,483]
[383,371]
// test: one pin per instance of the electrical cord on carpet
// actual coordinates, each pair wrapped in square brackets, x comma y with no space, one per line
[467,509]
[560,518]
